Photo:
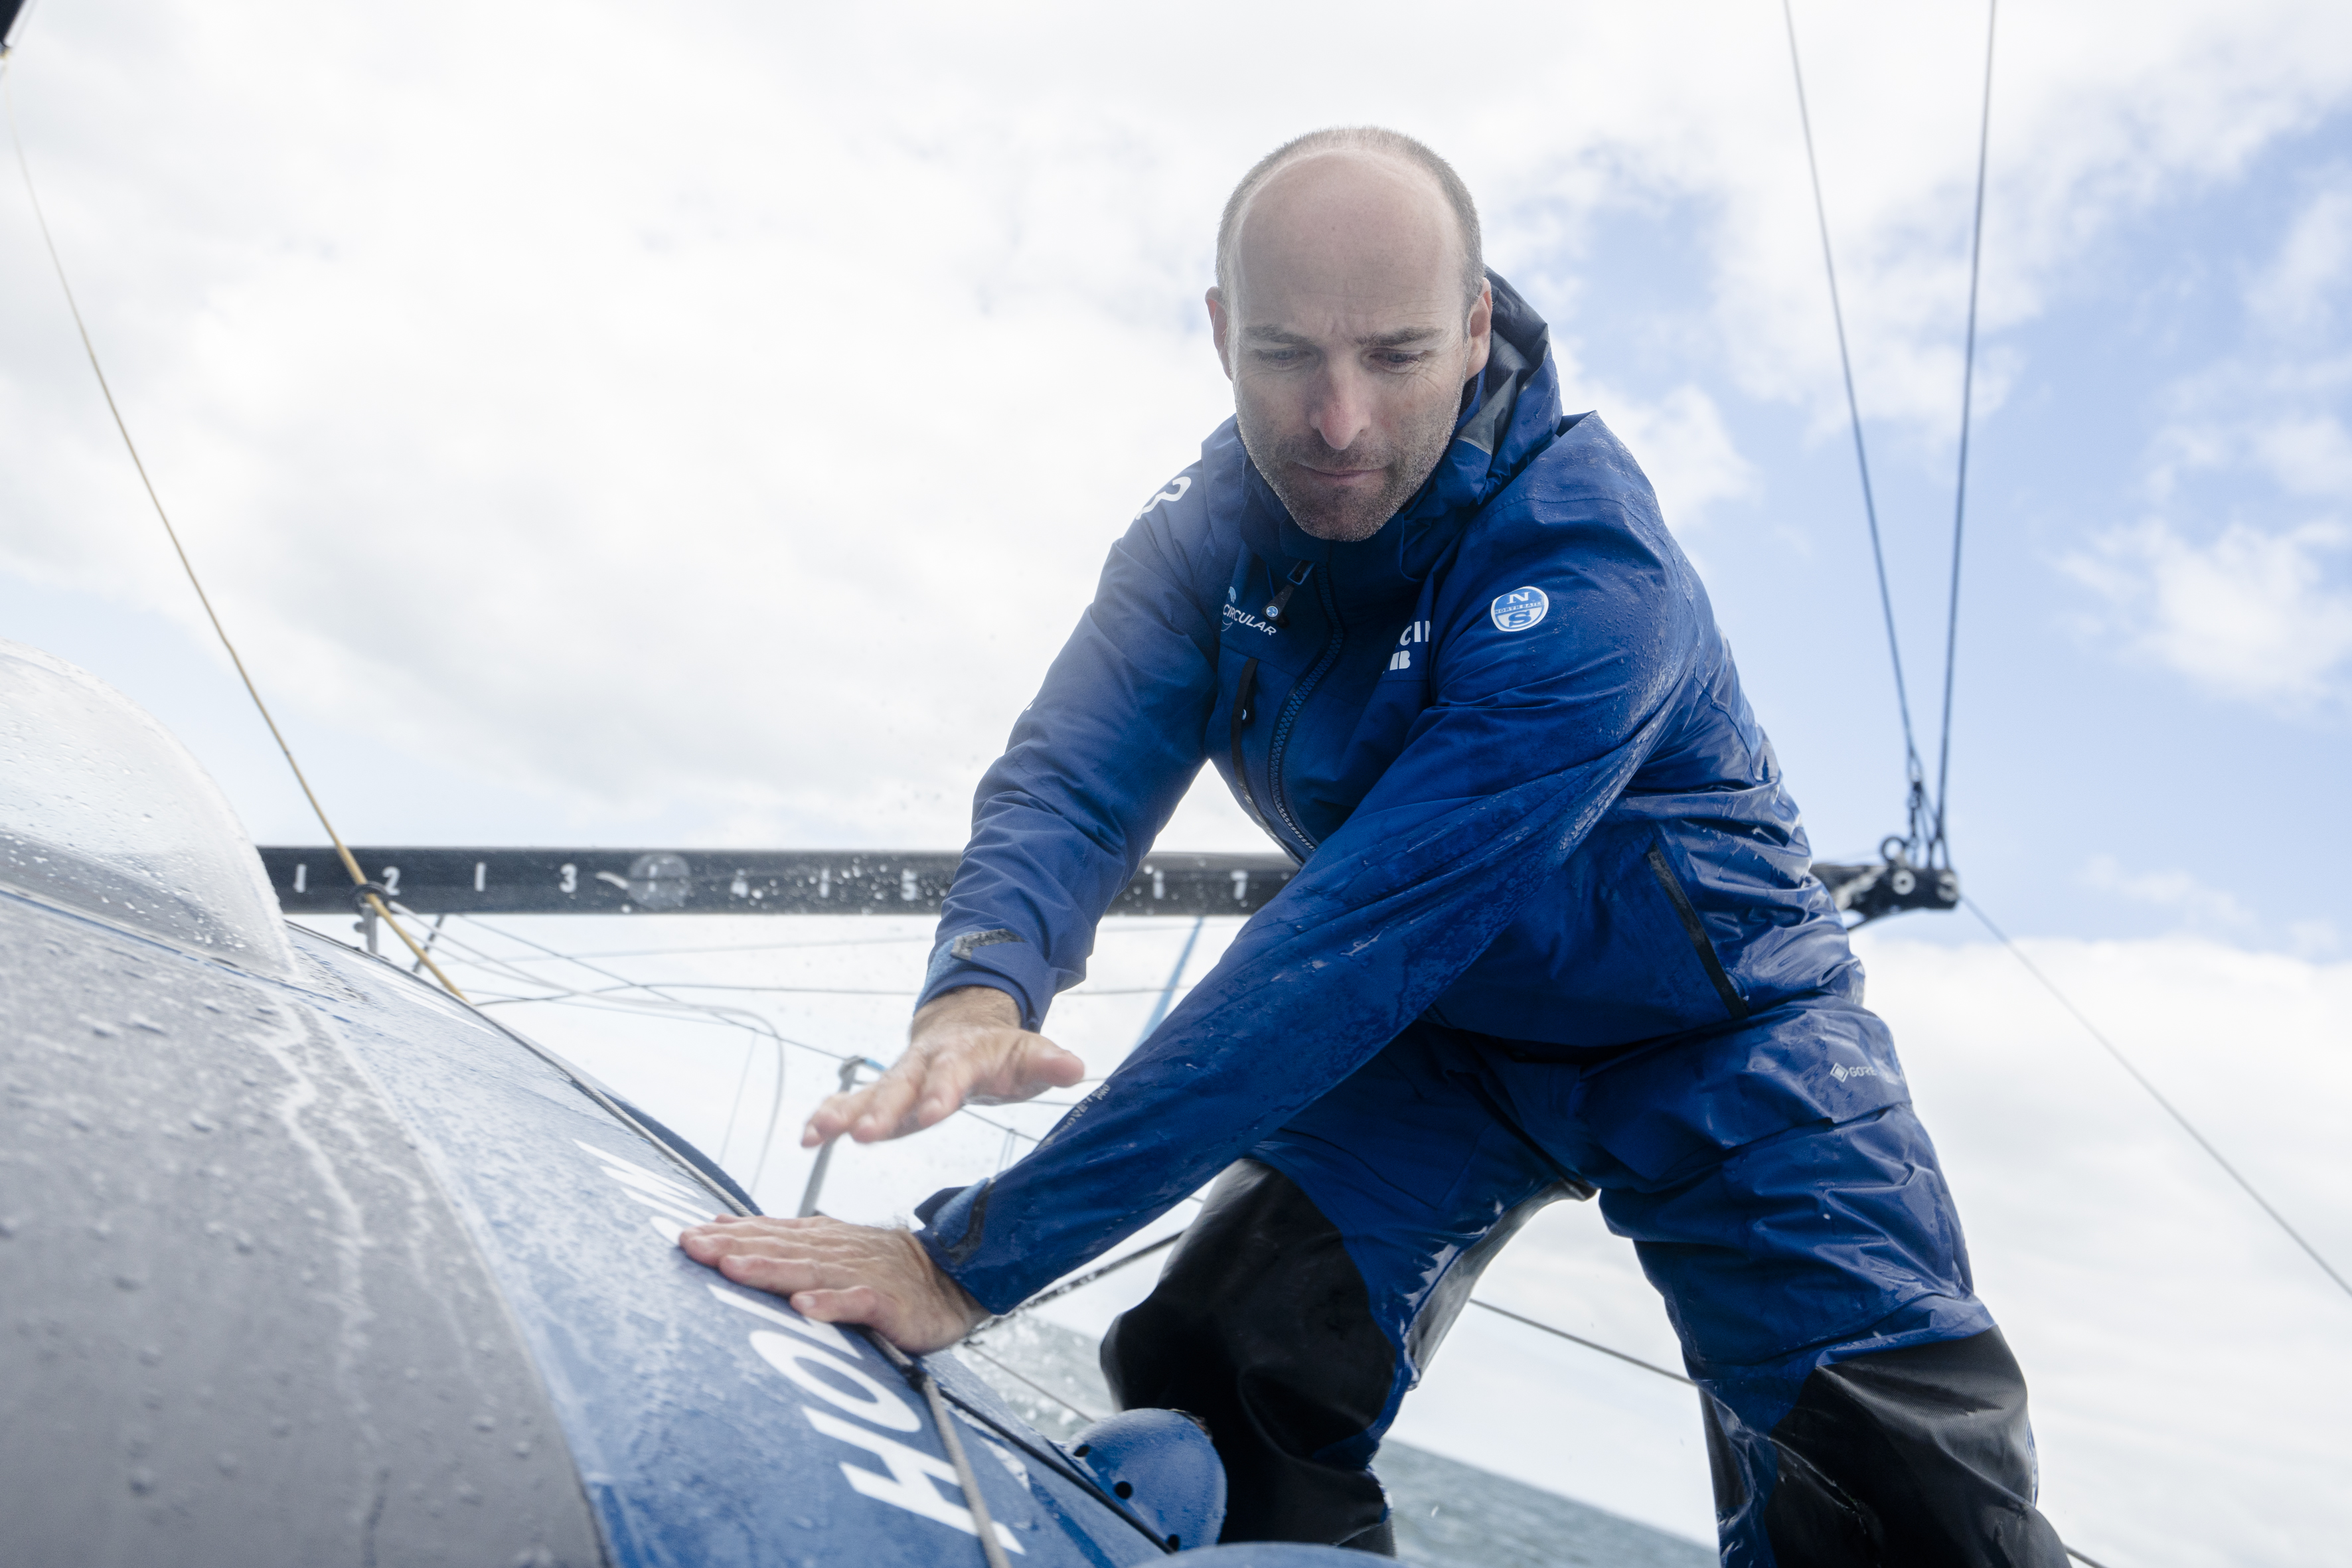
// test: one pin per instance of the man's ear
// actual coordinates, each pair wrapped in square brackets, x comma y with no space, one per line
[1219,325]
[1480,330]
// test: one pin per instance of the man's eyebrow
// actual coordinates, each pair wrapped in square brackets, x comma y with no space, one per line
[1400,338]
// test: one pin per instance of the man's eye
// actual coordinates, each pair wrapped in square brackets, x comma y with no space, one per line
[1278,356]
[1399,358]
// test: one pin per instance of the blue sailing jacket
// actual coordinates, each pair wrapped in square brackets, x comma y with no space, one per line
[1507,744]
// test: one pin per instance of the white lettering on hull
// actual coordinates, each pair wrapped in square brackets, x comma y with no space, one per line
[816,1352]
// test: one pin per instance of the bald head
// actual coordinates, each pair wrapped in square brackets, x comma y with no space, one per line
[1350,309]
[1373,145]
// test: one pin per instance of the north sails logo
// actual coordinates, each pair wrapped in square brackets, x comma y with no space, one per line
[1519,609]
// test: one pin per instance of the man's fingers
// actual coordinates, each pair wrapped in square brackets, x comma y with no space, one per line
[890,1106]
[861,1113]
[858,1304]
[1036,1064]
[832,1117]
[841,1273]
[777,1276]
[945,1088]
[934,1087]
[935,1080]
[1044,1060]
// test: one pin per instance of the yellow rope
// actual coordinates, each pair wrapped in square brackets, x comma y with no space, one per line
[358,878]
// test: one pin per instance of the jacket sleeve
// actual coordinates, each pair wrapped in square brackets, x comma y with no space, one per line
[1532,733]
[1096,763]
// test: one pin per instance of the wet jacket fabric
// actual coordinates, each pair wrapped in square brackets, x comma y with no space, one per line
[1507,741]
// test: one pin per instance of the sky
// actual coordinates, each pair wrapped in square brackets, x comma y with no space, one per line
[697,427]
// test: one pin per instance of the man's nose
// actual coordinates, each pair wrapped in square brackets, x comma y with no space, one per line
[1342,409]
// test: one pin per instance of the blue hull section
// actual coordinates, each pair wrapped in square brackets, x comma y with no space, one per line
[713,1426]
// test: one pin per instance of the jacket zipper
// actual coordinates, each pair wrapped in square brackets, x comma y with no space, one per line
[1299,696]
[1245,694]
[1732,1002]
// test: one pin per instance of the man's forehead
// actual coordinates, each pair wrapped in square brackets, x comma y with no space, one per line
[1349,177]
[1346,243]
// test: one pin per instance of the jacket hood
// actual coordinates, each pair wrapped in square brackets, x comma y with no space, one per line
[1510,413]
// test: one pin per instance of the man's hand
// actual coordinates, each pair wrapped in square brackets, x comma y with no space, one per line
[839,1273]
[966,1047]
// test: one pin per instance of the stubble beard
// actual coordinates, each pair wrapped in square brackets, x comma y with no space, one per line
[1343,518]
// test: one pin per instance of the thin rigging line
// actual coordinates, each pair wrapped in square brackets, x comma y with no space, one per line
[1912,764]
[1132,925]
[561,996]
[973,1347]
[926,938]
[1660,1371]
[1968,394]
[1588,1344]
[741,1016]
[1079,992]
[1090,1276]
[358,878]
[2157,1095]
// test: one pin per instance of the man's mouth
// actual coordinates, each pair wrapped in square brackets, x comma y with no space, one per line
[1341,476]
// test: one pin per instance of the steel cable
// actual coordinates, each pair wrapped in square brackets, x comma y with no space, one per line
[2157,1095]
[1914,768]
[1967,403]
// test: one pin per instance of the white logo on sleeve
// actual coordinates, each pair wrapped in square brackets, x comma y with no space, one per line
[1519,609]
[1174,492]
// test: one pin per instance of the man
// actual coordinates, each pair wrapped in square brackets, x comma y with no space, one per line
[1553,931]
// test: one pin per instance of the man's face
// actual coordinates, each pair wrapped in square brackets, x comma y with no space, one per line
[1346,337]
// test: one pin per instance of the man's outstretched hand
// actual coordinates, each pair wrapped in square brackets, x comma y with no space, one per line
[840,1273]
[966,1047]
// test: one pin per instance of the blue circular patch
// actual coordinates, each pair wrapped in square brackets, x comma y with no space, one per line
[1519,609]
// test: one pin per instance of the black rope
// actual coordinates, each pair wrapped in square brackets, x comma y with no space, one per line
[1960,485]
[2157,1095]
[1913,767]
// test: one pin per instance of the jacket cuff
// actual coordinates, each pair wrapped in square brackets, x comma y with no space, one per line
[994,958]
[953,1224]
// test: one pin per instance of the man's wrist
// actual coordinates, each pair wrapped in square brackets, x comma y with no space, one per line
[951,1292]
[974,1315]
[976,1004]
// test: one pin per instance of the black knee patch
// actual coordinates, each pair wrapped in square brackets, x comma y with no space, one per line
[1260,1326]
[1916,1458]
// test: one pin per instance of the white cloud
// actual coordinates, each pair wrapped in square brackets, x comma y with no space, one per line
[2298,290]
[733,406]
[2309,454]
[2200,909]
[1680,439]
[2253,615]
[2313,938]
